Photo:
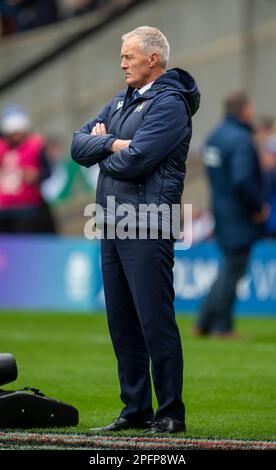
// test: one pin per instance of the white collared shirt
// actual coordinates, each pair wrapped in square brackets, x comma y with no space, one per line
[145,88]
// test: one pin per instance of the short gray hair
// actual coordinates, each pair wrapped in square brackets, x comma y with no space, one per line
[152,40]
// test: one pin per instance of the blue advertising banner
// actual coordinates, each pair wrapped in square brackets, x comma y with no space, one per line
[48,273]
[63,274]
[196,269]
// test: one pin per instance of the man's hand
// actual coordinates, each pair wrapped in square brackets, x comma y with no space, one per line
[99,129]
[117,145]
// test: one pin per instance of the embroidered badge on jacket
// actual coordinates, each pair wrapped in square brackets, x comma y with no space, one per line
[139,108]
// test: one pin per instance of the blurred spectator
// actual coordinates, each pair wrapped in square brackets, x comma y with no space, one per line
[22,166]
[266,138]
[7,18]
[234,175]
[67,179]
[35,13]
[54,153]
[21,15]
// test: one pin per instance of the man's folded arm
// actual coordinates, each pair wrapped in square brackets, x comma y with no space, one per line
[87,149]
[164,127]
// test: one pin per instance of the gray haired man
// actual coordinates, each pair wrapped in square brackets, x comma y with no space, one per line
[141,141]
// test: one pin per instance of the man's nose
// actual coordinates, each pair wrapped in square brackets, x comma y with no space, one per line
[123,65]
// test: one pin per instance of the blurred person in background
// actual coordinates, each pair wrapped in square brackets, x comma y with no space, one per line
[237,200]
[35,13]
[266,139]
[54,154]
[23,165]
[22,15]
[7,18]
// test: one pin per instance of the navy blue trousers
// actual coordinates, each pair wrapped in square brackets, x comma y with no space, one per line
[138,285]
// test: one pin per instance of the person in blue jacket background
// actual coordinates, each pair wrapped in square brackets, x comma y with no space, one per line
[140,141]
[237,201]
[266,140]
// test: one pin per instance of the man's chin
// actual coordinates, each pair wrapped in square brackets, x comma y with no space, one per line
[130,82]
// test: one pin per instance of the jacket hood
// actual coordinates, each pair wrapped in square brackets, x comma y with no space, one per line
[181,81]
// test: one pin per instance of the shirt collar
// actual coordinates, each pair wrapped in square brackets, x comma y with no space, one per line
[145,88]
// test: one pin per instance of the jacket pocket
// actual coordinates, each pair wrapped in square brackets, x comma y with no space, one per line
[126,192]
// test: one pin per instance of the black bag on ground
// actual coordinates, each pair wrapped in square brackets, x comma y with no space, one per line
[29,407]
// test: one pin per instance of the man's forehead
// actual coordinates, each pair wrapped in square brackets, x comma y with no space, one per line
[131,45]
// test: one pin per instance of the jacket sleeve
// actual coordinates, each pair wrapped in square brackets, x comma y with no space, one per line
[246,175]
[86,149]
[165,125]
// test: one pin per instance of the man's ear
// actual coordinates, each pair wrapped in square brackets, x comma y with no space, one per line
[154,59]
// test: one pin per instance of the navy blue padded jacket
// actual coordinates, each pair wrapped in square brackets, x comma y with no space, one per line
[158,123]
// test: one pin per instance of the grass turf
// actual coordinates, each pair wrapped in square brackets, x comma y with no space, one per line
[229,386]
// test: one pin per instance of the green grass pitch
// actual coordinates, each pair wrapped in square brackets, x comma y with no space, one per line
[229,386]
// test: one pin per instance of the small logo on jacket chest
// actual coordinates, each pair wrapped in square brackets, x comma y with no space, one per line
[139,108]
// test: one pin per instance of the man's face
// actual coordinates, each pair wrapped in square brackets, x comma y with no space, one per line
[136,65]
